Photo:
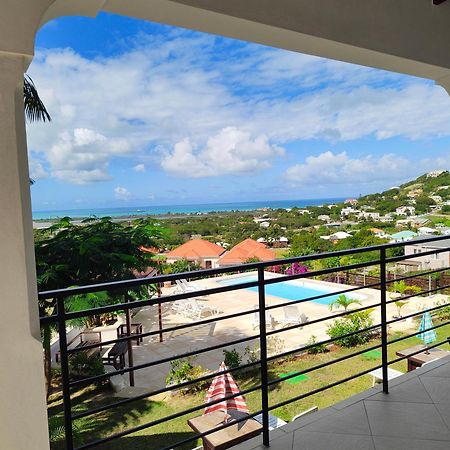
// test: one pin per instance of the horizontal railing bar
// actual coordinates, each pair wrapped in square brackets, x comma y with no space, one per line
[416,275]
[417,313]
[323,319]
[162,361]
[156,300]
[162,390]
[164,330]
[317,273]
[323,388]
[325,364]
[416,255]
[428,347]
[325,342]
[316,297]
[406,297]
[174,416]
[238,268]
[408,336]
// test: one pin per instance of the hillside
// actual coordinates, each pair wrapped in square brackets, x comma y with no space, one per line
[424,193]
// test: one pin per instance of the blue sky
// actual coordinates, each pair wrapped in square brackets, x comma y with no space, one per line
[146,114]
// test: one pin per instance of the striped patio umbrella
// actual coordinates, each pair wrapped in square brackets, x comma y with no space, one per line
[222,386]
[428,337]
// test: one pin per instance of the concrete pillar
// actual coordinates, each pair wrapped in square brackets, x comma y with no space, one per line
[23,415]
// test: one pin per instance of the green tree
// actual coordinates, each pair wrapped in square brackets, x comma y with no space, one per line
[96,251]
[343,302]
[402,288]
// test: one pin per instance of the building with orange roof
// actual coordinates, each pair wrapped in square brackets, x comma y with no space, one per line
[203,252]
[246,250]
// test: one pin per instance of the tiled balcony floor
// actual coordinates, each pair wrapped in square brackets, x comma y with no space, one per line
[415,415]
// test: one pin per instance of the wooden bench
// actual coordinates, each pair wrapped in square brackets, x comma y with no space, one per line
[116,355]
[83,342]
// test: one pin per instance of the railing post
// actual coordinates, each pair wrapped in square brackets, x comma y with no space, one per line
[263,356]
[67,404]
[384,343]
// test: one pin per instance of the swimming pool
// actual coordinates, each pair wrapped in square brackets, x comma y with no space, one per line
[291,290]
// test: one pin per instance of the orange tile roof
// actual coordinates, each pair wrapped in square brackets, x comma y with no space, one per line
[244,251]
[196,248]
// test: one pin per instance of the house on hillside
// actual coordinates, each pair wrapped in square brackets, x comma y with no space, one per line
[246,250]
[426,262]
[403,236]
[203,252]
[405,211]
[338,236]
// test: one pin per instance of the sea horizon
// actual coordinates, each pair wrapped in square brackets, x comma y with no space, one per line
[201,208]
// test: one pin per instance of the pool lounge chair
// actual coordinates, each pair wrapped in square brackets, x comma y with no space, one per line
[270,321]
[291,316]
[197,310]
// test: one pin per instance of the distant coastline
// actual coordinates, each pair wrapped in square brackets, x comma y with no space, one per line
[169,210]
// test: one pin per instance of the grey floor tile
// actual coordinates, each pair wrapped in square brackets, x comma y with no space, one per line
[406,420]
[444,411]
[441,371]
[309,418]
[437,387]
[409,391]
[353,418]
[281,443]
[310,440]
[385,443]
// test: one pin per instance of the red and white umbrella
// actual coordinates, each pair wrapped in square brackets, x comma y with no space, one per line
[222,386]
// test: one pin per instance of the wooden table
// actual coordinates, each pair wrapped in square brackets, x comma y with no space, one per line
[421,358]
[227,437]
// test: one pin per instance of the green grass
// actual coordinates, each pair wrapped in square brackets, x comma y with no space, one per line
[144,411]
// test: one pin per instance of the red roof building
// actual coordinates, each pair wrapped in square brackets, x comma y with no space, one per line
[203,252]
[246,250]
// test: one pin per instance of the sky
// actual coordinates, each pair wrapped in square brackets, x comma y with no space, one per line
[147,114]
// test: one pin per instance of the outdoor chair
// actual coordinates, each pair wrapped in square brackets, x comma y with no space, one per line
[190,287]
[181,307]
[270,321]
[184,287]
[196,309]
[291,316]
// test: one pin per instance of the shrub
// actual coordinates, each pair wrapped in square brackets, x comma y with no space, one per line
[350,324]
[183,370]
[444,312]
[232,358]
[318,347]
[83,365]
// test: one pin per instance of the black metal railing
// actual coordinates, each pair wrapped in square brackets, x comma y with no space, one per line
[381,259]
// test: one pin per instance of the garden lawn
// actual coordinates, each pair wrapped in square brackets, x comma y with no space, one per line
[143,411]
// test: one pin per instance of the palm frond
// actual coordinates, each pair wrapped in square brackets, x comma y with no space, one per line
[35,109]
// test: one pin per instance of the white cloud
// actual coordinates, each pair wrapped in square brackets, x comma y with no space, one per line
[339,168]
[37,171]
[122,193]
[174,92]
[139,168]
[231,152]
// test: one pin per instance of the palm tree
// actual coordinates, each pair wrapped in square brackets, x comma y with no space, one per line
[34,107]
[402,288]
[343,302]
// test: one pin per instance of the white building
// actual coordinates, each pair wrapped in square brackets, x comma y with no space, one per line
[428,262]
[405,211]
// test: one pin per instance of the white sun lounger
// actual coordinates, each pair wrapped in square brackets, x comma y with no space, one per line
[270,321]
[292,316]
[274,421]
[196,309]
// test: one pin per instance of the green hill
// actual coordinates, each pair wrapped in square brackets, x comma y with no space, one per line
[416,193]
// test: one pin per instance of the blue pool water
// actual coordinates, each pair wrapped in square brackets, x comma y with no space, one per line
[287,290]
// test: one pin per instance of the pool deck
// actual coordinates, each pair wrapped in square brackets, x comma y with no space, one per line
[198,337]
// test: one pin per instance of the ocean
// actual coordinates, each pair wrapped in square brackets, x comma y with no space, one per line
[180,209]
